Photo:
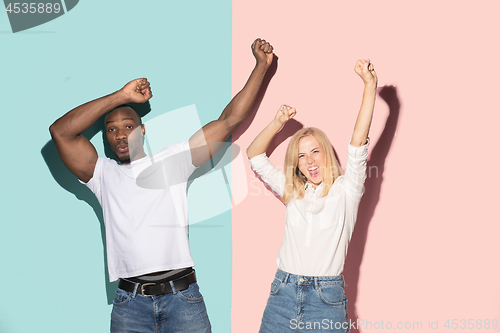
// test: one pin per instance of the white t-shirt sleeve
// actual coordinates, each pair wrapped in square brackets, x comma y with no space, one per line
[94,184]
[355,170]
[181,159]
[269,173]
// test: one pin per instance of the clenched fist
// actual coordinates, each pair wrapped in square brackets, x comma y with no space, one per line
[137,91]
[262,51]
[285,113]
[364,68]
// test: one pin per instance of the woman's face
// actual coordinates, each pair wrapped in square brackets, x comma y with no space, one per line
[312,161]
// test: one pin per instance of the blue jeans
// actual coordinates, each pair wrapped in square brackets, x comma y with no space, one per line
[305,304]
[180,311]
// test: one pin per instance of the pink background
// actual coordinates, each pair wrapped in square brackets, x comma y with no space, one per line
[426,244]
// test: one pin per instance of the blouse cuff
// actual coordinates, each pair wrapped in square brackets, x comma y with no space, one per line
[358,151]
[258,160]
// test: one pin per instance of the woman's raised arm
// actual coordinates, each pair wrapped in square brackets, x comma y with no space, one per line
[261,142]
[365,70]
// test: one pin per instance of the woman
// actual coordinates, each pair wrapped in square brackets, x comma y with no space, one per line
[307,293]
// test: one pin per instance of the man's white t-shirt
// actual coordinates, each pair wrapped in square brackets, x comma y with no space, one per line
[145,212]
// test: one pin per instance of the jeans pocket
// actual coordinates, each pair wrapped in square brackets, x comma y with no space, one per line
[122,297]
[275,286]
[191,294]
[332,294]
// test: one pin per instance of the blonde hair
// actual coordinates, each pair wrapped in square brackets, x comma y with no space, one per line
[294,179]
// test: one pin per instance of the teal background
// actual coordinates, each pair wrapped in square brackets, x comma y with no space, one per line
[51,248]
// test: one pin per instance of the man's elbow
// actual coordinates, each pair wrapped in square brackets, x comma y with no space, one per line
[56,130]
[53,129]
[232,124]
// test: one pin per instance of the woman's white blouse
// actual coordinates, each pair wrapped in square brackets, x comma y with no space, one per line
[318,229]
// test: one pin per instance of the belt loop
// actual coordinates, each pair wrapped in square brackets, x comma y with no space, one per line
[173,287]
[135,290]
[136,286]
[315,282]
[286,278]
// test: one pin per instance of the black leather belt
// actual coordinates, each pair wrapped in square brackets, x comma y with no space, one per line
[159,287]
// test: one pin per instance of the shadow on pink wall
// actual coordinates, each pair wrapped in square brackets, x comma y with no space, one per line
[370,200]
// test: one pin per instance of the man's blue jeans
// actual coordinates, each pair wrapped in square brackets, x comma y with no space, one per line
[181,311]
[305,304]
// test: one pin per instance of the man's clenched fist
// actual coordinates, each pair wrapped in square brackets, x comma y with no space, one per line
[137,91]
[263,51]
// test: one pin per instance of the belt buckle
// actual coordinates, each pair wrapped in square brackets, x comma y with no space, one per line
[142,289]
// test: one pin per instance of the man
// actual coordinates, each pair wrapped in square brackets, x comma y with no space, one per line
[157,289]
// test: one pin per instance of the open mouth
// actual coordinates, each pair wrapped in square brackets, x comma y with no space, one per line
[122,148]
[313,171]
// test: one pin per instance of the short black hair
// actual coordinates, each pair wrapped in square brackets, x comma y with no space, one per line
[125,106]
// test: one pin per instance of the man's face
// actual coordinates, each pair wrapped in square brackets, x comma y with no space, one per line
[124,134]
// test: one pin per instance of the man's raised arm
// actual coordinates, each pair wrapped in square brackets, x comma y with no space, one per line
[207,141]
[76,152]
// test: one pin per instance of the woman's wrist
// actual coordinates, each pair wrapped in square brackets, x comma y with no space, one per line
[276,124]
[371,86]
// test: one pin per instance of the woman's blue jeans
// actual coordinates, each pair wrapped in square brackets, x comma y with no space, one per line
[178,312]
[305,304]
